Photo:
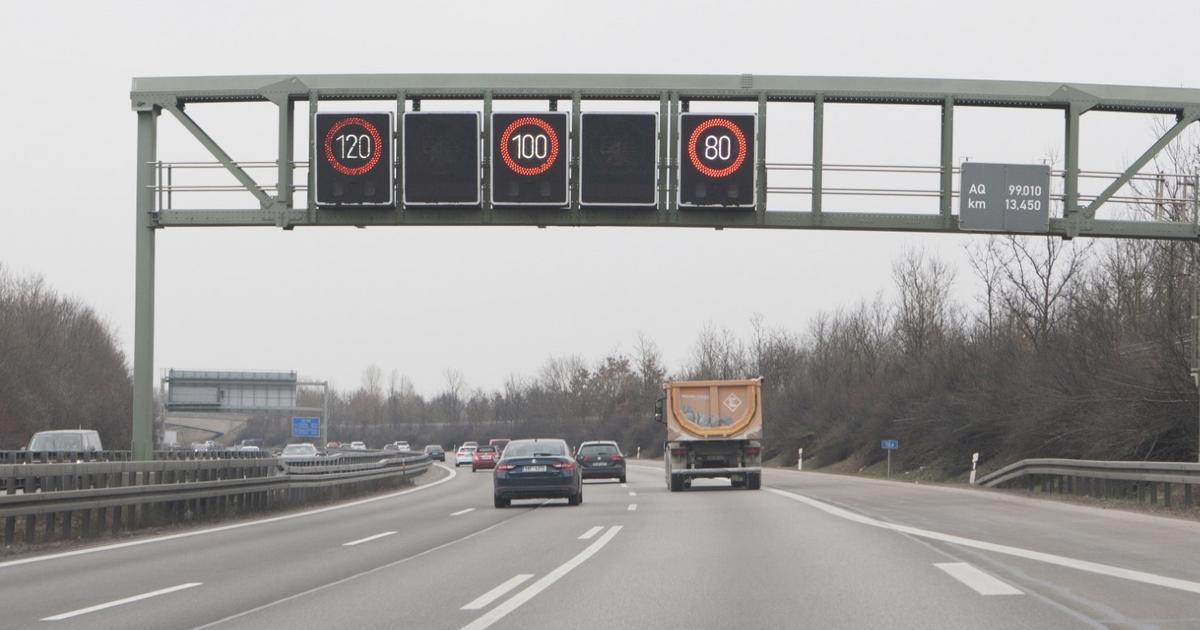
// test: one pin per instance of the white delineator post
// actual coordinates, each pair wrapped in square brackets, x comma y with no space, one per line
[974,461]
[800,459]
[639,453]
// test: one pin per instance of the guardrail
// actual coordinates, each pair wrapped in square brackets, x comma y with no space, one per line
[46,457]
[1139,481]
[66,457]
[66,500]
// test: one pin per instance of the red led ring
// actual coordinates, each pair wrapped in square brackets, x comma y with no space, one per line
[714,172]
[525,170]
[375,139]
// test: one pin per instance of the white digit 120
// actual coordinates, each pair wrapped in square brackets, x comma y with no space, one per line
[354,146]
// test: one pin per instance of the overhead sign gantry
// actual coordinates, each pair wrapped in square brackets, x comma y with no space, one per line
[395,165]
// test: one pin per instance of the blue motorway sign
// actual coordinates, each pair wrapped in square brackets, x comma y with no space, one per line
[890,445]
[306,427]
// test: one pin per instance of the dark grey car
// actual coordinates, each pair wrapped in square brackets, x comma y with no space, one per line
[537,469]
[601,460]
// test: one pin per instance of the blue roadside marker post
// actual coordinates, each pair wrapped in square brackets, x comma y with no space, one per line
[889,446]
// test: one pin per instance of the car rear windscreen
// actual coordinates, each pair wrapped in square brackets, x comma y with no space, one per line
[598,449]
[534,449]
[486,449]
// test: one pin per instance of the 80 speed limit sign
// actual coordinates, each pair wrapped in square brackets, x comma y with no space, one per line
[716,159]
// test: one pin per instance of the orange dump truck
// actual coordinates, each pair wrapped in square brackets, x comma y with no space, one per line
[714,429]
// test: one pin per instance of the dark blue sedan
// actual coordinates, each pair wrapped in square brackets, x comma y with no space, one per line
[537,469]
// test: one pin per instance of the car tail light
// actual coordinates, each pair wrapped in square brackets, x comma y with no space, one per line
[565,466]
[752,451]
[616,458]
[583,458]
[504,467]
[678,453]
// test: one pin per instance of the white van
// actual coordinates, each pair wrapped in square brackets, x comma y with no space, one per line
[68,440]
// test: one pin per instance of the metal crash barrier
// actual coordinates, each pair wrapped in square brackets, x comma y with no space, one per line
[42,502]
[1165,483]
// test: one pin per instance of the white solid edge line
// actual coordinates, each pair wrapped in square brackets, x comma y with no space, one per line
[461,512]
[483,600]
[1048,558]
[367,539]
[978,580]
[349,578]
[529,592]
[591,532]
[225,528]
[633,494]
[632,507]
[119,602]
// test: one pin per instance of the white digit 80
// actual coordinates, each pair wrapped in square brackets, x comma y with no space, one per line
[718,147]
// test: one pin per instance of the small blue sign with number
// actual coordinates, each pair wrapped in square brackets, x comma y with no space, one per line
[306,427]
[890,445]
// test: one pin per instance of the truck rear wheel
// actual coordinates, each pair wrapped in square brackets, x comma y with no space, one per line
[754,481]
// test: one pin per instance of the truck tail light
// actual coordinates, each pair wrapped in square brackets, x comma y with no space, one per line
[678,453]
[752,451]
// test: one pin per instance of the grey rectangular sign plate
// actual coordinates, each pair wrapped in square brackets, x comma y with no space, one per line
[1004,197]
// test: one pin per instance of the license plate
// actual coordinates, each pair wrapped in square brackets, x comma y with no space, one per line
[534,469]
[599,463]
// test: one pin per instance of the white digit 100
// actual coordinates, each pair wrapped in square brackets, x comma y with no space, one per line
[718,147]
[531,147]
[354,146]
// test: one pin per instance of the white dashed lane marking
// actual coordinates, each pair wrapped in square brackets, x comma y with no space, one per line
[483,600]
[367,539]
[979,581]
[121,602]
[591,532]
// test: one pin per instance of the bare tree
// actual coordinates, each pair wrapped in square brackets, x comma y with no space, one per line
[924,310]
[1039,274]
[718,354]
[372,381]
[987,263]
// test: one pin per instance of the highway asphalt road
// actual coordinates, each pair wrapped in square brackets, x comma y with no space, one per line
[808,551]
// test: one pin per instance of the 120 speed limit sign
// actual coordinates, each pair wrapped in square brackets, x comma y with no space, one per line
[354,166]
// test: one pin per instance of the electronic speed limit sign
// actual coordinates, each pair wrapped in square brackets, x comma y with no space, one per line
[529,159]
[354,166]
[716,159]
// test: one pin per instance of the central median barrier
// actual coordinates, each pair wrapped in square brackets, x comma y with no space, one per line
[62,501]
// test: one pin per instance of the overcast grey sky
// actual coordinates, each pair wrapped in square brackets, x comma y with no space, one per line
[496,301]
